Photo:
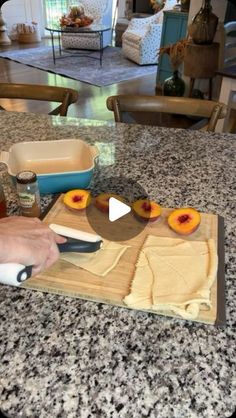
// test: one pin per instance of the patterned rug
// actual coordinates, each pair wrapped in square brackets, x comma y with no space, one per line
[115,67]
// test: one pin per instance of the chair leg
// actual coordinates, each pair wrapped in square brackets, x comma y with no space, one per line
[214,117]
[192,80]
[210,88]
[116,110]
[65,104]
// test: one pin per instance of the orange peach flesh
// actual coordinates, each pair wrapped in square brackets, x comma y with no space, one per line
[147,209]
[184,221]
[102,201]
[77,199]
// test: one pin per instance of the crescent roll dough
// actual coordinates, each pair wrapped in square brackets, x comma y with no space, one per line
[174,275]
[99,262]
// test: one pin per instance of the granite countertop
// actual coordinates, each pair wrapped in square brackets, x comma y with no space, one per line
[69,358]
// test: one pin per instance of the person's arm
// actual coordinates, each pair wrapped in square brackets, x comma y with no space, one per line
[28,241]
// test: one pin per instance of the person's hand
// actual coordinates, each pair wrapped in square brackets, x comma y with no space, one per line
[28,241]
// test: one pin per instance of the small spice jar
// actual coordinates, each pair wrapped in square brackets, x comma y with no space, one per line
[28,193]
[3,208]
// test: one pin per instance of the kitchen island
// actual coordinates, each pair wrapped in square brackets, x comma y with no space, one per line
[70,358]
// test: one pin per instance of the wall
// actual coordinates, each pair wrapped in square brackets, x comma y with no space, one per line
[121,8]
[22,11]
[218,6]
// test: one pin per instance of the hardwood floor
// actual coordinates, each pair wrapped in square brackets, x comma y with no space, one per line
[92,100]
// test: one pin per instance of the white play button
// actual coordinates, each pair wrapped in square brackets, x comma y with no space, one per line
[117,209]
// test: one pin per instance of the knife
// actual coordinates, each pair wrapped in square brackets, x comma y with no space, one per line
[77,241]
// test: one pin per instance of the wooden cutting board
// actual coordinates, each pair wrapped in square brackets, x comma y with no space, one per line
[66,279]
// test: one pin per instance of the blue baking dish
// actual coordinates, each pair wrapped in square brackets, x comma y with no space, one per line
[60,165]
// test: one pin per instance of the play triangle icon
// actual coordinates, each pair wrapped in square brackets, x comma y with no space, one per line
[117,209]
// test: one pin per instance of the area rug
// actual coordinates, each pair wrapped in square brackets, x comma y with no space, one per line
[115,67]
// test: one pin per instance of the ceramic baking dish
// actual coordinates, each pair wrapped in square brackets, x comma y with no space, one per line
[60,165]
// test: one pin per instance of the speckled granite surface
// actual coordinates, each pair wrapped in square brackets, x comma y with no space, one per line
[67,358]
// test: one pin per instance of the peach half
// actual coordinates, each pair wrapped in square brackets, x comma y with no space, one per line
[184,221]
[77,199]
[102,201]
[146,210]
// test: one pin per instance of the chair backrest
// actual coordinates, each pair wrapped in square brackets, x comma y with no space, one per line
[230,119]
[62,95]
[97,9]
[206,109]
[137,23]
[230,44]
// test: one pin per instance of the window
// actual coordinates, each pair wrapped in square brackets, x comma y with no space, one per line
[54,9]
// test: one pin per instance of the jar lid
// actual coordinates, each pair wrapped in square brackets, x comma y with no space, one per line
[25,177]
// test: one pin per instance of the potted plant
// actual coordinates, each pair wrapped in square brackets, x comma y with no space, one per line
[174,86]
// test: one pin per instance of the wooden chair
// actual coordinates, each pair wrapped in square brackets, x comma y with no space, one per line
[207,111]
[62,95]
[230,119]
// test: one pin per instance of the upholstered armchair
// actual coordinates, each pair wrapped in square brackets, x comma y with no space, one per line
[101,12]
[141,40]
